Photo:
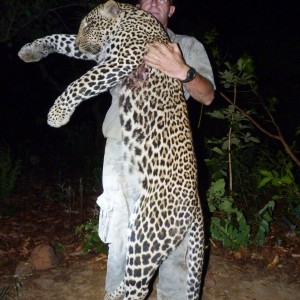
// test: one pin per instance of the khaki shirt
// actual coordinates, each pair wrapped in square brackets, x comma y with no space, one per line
[194,55]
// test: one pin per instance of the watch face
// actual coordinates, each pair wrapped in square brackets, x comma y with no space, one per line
[191,74]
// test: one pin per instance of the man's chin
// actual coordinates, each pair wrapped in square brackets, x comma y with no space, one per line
[156,15]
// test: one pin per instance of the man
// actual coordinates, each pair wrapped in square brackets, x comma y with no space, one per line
[120,190]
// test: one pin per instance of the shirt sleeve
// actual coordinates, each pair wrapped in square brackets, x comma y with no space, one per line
[195,56]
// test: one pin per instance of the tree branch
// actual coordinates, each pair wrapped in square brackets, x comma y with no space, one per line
[277,136]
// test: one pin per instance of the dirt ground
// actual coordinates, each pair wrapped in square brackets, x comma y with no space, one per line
[271,272]
[225,279]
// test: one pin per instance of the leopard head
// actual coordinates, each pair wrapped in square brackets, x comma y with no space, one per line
[97,27]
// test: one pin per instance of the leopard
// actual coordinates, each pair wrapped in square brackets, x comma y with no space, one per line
[156,137]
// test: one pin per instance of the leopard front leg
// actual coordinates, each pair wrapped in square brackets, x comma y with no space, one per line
[59,43]
[64,106]
[97,80]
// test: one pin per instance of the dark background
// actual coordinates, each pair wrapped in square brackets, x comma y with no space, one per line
[266,31]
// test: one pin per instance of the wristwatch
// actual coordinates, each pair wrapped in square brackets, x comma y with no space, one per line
[190,75]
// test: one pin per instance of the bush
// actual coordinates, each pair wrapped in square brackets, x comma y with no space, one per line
[91,240]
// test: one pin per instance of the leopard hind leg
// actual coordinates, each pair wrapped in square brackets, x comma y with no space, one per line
[196,245]
[140,268]
[128,293]
[133,287]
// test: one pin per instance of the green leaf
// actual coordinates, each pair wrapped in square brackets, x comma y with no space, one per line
[263,182]
[225,145]
[286,180]
[235,141]
[212,208]
[217,114]
[254,140]
[266,173]
[218,150]
[226,206]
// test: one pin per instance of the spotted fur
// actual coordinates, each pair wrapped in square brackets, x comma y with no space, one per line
[155,131]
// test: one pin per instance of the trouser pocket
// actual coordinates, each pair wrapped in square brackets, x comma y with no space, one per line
[105,216]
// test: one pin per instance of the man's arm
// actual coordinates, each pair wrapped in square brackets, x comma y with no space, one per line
[200,88]
[169,60]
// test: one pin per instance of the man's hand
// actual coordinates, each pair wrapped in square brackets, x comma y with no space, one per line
[166,58]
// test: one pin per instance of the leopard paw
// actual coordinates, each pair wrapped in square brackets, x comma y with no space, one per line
[33,52]
[58,116]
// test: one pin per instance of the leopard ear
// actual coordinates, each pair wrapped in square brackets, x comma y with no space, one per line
[111,9]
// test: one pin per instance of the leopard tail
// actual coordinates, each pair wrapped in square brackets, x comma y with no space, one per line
[195,257]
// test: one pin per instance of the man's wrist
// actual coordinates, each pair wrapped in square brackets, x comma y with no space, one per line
[190,74]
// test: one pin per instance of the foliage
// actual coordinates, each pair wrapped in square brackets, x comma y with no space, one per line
[237,76]
[59,248]
[239,73]
[9,172]
[231,157]
[228,223]
[64,192]
[12,291]
[264,217]
[239,143]
[91,241]
[280,182]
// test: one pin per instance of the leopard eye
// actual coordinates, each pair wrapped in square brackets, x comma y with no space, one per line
[86,26]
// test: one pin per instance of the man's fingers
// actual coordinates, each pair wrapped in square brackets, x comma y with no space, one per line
[158,48]
[150,61]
